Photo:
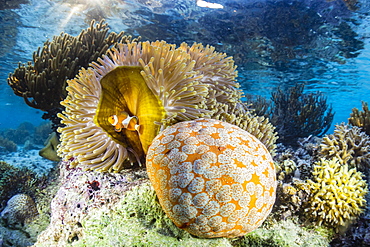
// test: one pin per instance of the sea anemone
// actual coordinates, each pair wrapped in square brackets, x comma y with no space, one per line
[212,178]
[155,83]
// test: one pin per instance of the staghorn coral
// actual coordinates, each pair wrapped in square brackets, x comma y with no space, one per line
[42,82]
[361,119]
[298,115]
[155,85]
[337,193]
[349,145]
[212,178]
[19,208]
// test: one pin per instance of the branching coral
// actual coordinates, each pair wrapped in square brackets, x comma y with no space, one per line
[349,145]
[158,85]
[296,114]
[361,119]
[42,82]
[337,193]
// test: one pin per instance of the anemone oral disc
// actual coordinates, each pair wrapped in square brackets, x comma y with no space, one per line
[124,89]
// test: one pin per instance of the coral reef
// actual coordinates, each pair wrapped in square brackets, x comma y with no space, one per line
[7,144]
[19,208]
[349,145]
[297,115]
[140,221]
[337,193]
[20,227]
[78,194]
[358,234]
[21,134]
[42,133]
[42,82]
[212,178]
[14,180]
[361,119]
[176,84]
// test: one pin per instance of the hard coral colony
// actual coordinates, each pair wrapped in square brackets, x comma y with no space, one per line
[338,193]
[212,178]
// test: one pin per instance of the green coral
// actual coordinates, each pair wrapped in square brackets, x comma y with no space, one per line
[361,119]
[349,145]
[337,193]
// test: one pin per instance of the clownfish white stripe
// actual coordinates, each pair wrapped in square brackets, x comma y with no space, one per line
[125,122]
[115,117]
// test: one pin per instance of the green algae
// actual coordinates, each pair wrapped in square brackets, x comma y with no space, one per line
[137,220]
[284,233]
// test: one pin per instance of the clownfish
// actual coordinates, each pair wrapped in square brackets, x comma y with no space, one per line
[124,120]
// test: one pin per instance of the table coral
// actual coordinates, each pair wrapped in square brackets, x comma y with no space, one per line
[337,193]
[212,178]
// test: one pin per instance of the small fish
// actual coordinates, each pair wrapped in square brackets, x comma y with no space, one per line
[124,120]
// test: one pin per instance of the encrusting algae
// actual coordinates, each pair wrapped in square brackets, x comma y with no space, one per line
[155,85]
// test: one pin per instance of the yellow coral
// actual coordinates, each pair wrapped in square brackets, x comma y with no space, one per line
[348,144]
[337,193]
[361,118]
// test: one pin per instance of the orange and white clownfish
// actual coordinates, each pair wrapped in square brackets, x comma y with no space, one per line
[124,120]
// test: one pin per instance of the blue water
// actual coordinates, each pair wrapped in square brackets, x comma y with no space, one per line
[274,43]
